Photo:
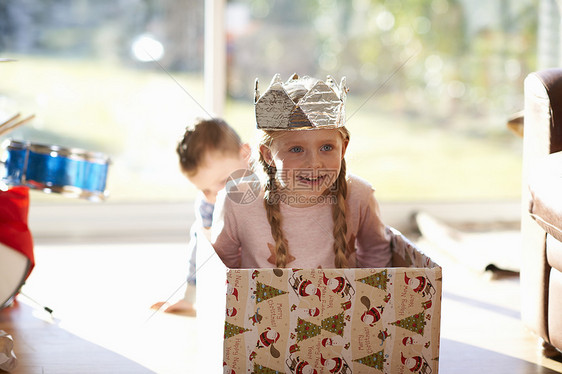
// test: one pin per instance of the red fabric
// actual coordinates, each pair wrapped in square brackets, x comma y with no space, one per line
[14,232]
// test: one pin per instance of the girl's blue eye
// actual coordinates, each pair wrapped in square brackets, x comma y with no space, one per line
[295,149]
[326,147]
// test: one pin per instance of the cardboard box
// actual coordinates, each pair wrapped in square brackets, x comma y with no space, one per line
[331,320]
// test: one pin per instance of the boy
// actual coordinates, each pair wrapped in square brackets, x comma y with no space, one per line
[209,152]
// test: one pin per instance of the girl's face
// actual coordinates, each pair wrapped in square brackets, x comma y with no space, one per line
[308,162]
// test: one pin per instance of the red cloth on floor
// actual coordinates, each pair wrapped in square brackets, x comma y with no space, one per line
[14,232]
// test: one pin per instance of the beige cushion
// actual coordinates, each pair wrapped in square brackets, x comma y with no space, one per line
[545,185]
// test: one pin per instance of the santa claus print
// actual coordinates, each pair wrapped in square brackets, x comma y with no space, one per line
[339,285]
[416,364]
[414,340]
[231,312]
[420,284]
[304,287]
[231,290]
[267,338]
[314,312]
[334,364]
[373,314]
[303,367]
[307,288]
[334,340]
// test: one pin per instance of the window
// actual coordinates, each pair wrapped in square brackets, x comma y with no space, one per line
[432,83]
[123,78]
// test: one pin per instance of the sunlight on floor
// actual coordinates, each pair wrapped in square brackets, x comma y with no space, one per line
[103,294]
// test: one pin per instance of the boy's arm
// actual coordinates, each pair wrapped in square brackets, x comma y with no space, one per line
[189,295]
[192,245]
[224,232]
[192,253]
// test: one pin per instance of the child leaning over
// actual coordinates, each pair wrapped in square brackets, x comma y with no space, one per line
[209,152]
[309,212]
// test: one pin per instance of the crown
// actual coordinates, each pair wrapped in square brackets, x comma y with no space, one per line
[300,104]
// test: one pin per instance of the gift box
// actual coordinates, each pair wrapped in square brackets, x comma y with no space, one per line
[359,320]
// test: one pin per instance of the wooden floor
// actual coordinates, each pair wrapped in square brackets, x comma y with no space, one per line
[481,331]
[101,293]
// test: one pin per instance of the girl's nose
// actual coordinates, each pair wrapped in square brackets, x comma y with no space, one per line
[314,160]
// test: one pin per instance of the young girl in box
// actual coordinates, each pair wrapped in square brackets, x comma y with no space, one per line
[308,212]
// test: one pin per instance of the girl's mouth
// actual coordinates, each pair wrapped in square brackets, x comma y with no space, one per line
[311,181]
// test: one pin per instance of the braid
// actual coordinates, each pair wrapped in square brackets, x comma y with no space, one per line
[273,212]
[340,224]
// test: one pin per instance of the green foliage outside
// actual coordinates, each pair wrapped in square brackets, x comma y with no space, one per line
[432,84]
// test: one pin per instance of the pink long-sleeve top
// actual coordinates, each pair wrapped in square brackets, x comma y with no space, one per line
[241,234]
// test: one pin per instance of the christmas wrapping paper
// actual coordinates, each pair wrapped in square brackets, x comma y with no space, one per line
[335,320]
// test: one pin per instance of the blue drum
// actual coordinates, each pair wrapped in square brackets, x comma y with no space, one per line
[50,168]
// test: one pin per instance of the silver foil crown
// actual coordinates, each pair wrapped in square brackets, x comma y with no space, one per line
[301,103]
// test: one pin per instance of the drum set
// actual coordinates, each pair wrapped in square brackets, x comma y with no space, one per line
[27,165]
[52,168]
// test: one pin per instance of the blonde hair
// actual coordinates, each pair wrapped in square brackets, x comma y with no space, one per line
[204,136]
[272,199]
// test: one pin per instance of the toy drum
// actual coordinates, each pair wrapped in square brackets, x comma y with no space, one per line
[50,168]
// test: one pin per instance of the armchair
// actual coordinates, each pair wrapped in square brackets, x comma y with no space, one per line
[541,221]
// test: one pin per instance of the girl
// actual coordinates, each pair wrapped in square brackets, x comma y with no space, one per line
[309,212]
